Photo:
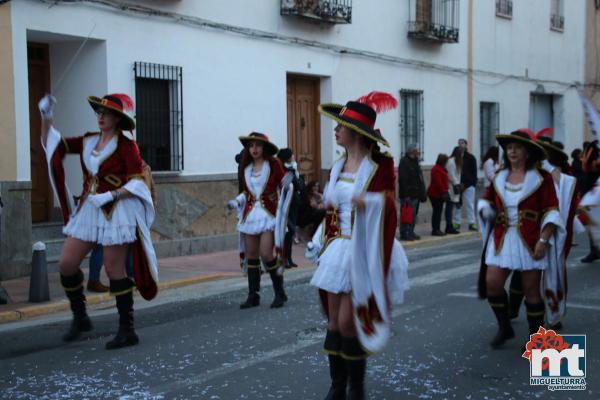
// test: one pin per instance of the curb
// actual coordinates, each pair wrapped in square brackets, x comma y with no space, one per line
[439,239]
[63,305]
[27,312]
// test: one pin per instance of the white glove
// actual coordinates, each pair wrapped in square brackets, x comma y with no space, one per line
[46,106]
[100,199]
[312,252]
[488,213]
[232,204]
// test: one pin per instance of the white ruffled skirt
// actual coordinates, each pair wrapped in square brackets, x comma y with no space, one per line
[333,272]
[90,225]
[513,255]
[257,222]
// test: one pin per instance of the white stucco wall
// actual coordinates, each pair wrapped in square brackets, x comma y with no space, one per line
[234,84]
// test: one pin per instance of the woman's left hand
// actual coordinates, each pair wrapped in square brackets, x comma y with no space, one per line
[358,202]
[540,250]
[101,199]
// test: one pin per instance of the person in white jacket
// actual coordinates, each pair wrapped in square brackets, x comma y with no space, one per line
[454,167]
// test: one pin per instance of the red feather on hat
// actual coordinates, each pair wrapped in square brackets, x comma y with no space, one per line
[379,101]
[125,100]
[547,132]
[528,132]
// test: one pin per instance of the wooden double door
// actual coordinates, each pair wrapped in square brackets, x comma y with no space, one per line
[304,124]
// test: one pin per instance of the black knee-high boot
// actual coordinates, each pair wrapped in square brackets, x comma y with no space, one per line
[73,286]
[356,365]
[337,366]
[535,316]
[499,305]
[253,299]
[515,297]
[122,289]
[277,279]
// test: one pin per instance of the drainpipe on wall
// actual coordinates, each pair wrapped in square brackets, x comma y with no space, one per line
[470,74]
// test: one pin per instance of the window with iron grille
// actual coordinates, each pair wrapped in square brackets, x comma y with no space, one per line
[557,18]
[159,115]
[489,114]
[504,8]
[411,119]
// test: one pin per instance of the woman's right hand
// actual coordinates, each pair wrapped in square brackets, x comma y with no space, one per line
[232,204]
[46,106]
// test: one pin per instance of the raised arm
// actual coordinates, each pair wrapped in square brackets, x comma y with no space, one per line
[46,106]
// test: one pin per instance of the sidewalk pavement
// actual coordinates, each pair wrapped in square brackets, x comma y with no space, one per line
[173,272]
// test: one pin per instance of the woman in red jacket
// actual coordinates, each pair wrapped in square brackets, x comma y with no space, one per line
[438,194]
[257,204]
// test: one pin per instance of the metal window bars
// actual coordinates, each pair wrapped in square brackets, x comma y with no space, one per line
[411,119]
[329,11]
[434,20]
[557,19]
[489,117]
[159,115]
[504,8]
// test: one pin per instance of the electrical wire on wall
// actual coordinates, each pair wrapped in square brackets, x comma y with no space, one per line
[144,11]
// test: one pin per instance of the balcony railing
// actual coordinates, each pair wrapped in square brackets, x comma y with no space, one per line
[557,22]
[329,11]
[504,8]
[434,20]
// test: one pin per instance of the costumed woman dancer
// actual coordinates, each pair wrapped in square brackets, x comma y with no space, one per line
[357,281]
[523,231]
[557,164]
[115,210]
[257,205]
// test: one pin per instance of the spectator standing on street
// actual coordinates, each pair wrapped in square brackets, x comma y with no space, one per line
[411,188]
[291,176]
[468,179]
[438,195]
[312,209]
[454,167]
[490,165]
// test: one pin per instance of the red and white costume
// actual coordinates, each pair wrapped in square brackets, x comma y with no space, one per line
[522,212]
[127,220]
[358,249]
[258,201]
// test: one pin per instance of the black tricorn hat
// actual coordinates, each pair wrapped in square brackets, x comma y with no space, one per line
[269,147]
[525,137]
[553,149]
[118,104]
[360,115]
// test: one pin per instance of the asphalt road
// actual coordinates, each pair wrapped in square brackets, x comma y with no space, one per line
[197,344]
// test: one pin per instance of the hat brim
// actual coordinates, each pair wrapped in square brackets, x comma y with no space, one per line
[552,150]
[270,147]
[333,111]
[534,149]
[126,123]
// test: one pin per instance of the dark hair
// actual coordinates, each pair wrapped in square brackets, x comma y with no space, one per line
[530,163]
[442,159]
[457,154]
[576,153]
[586,144]
[310,186]
[247,157]
[492,153]
[285,154]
